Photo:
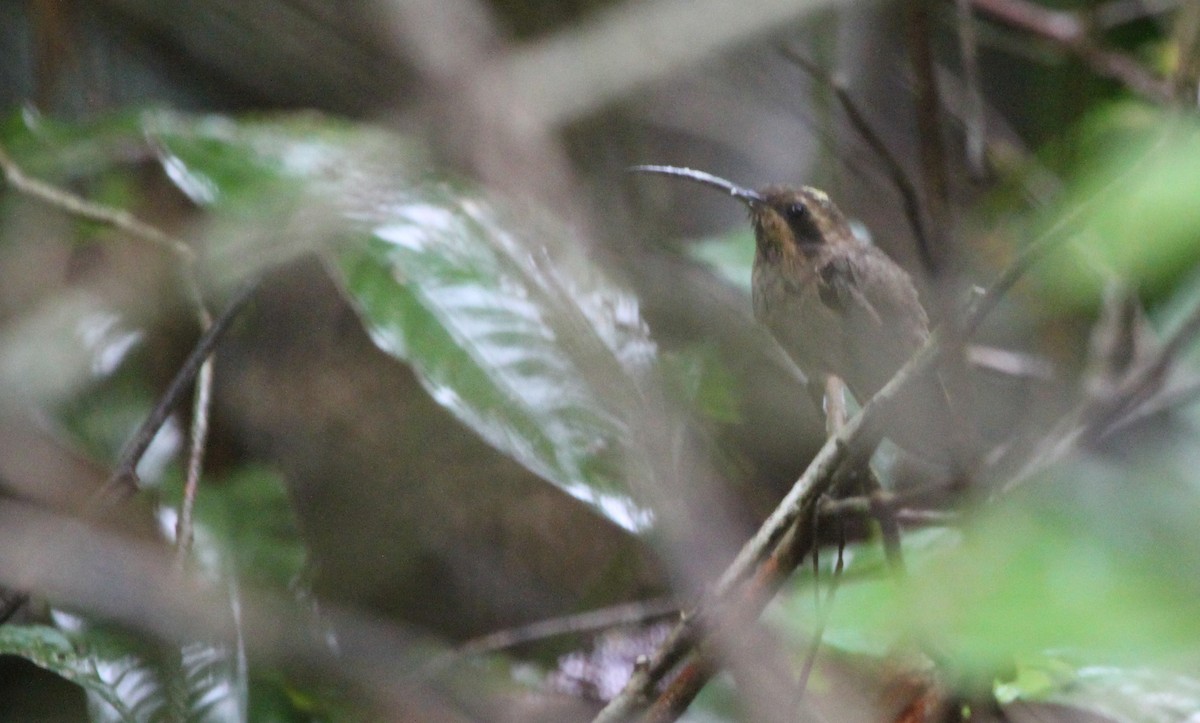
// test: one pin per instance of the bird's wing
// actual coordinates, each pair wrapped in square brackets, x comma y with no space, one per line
[840,290]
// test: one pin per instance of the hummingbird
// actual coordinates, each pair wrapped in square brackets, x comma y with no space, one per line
[837,305]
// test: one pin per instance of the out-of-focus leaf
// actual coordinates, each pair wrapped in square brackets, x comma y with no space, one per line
[274,699]
[51,649]
[55,151]
[731,256]
[121,681]
[1078,561]
[865,580]
[516,348]
[1139,188]
[1037,678]
[245,526]
[702,381]
[197,681]
[522,340]
[1122,693]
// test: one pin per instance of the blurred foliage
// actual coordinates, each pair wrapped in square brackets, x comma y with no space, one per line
[1122,693]
[1134,192]
[1078,588]
[731,257]
[245,528]
[1053,569]
[129,682]
[503,331]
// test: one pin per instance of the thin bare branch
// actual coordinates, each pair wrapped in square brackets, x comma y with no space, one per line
[919,38]
[974,118]
[823,613]
[1069,31]
[895,172]
[557,79]
[123,481]
[642,611]
[1184,395]
[199,432]
[1148,379]
[195,464]
[82,208]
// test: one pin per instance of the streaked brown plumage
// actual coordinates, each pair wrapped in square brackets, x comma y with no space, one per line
[836,305]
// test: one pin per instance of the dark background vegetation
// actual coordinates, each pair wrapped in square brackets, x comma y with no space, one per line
[486,378]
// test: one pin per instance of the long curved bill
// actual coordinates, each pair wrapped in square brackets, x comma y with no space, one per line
[743,194]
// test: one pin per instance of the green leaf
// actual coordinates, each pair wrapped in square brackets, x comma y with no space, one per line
[535,360]
[51,649]
[1122,693]
[1075,561]
[731,256]
[866,580]
[124,679]
[1138,189]
[507,327]
[245,526]
[53,150]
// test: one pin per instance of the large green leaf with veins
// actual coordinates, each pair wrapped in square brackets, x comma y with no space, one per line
[506,323]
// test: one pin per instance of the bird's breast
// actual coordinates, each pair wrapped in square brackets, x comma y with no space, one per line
[788,304]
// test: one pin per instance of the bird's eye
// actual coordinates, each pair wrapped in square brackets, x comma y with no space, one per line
[804,227]
[797,211]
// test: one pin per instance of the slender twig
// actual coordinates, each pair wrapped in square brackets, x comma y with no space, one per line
[824,611]
[1146,379]
[866,504]
[1182,396]
[919,38]
[77,206]
[199,433]
[1090,420]
[1069,31]
[1010,363]
[14,599]
[861,126]
[835,404]
[123,481]
[124,478]
[642,611]
[973,115]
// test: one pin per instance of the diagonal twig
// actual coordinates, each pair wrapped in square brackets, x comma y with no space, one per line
[824,611]
[99,213]
[123,481]
[919,35]
[199,437]
[1069,31]
[199,362]
[973,115]
[858,121]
